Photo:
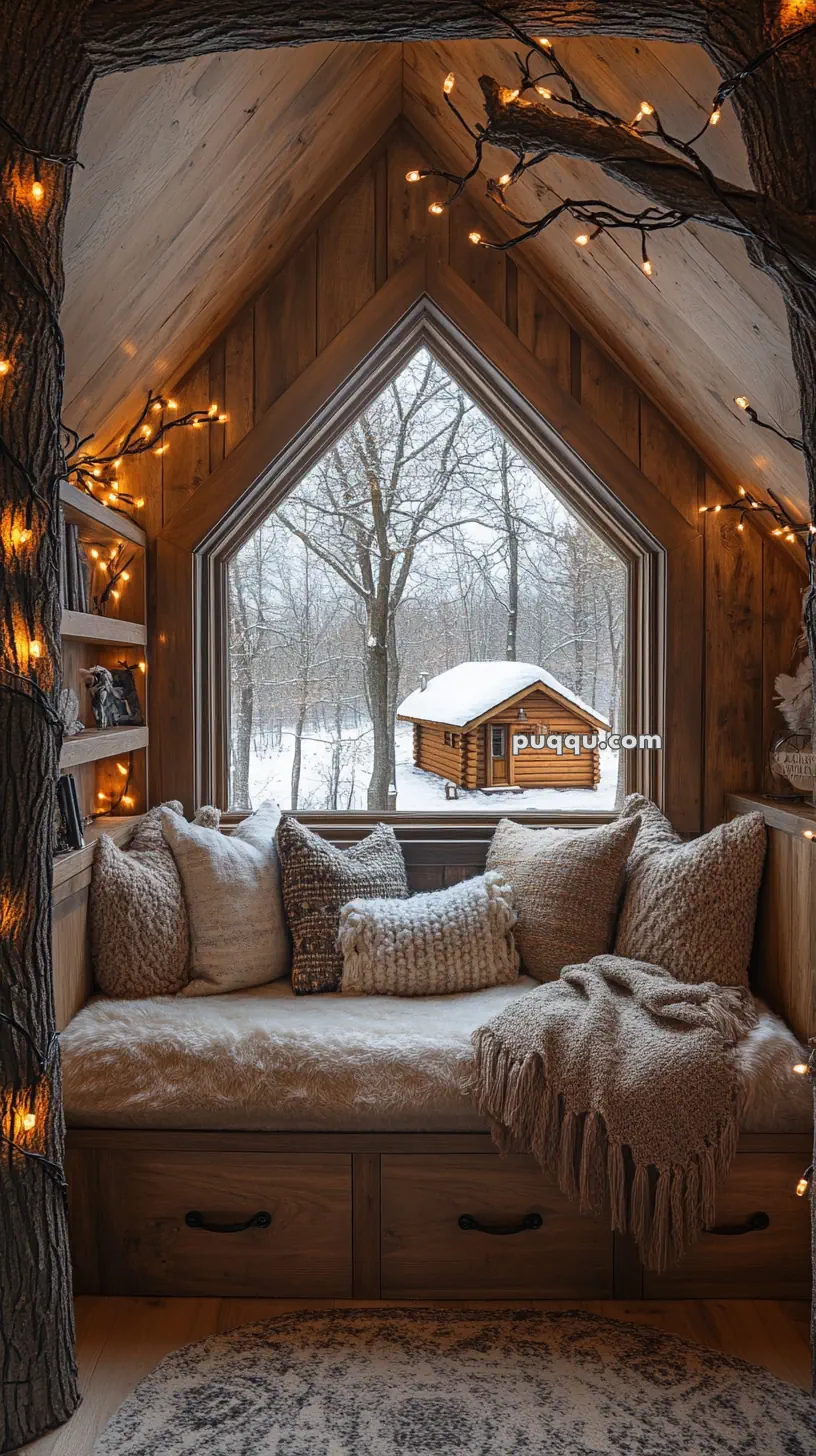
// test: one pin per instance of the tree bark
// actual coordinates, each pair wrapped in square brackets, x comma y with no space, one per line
[46,83]
[123,34]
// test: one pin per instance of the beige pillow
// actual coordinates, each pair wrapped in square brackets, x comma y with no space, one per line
[690,906]
[232,892]
[432,944]
[138,921]
[567,885]
[318,878]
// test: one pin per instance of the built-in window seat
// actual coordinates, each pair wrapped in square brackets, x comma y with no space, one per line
[267,1060]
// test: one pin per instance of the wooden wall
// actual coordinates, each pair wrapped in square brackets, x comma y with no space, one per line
[735,603]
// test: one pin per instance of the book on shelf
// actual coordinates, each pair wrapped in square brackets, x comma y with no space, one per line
[69,829]
[76,573]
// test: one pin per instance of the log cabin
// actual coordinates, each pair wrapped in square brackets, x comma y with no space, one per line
[293,407]
[484,725]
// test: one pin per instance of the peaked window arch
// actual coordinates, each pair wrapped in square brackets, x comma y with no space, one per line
[427,534]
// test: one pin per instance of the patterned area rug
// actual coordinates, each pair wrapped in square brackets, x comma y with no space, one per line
[419,1382]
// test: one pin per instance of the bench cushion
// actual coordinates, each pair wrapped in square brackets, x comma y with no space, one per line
[267,1060]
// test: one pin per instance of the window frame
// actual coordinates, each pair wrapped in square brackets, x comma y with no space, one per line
[572,480]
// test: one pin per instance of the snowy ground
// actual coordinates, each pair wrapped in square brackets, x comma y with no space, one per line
[270,778]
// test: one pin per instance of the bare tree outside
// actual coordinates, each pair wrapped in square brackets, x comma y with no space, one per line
[420,541]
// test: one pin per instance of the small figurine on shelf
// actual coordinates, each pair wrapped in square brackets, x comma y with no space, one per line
[114,699]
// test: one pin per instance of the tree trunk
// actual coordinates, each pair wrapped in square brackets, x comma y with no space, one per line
[242,723]
[297,757]
[46,83]
[377,684]
[511,532]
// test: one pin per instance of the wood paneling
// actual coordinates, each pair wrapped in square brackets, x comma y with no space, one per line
[731,597]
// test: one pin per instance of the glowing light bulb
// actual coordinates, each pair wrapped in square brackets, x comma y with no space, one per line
[143,667]
[777,531]
[702,510]
[542,41]
[96,472]
[28,1121]
[802,1187]
[505,180]
[160,450]
[790,536]
[5,366]
[126,576]
[474,237]
[122,769]
[436,208]
[117,463]
[116,595]
[646,265]
[741,526]
[114,552]
[127,801]
[139,503]
[742,490]
[646,108]
[717,510]
[714,117]
[35,648]
[213,410]
[102,797]
[449,83]
[509,94]
[543,91]
[157,404]
[112,498]
[741,401]
[146,431]
[801,1068]
[37,191]
[171,404]
[222,419]
[93,553]
[413,176]
[582,240]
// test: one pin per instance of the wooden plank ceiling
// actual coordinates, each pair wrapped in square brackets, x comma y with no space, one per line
[199,177]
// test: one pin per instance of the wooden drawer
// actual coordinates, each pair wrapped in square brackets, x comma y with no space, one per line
[146,1246]
[426,1254]
[769,1263]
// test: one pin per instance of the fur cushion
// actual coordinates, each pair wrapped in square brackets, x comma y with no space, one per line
[138,922]
[232,891]
[567,885]
[458,939]
[318,878]
[690,906]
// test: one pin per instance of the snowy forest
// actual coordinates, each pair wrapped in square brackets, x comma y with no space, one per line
[421,540]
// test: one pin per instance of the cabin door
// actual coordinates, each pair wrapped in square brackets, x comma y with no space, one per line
[497,747]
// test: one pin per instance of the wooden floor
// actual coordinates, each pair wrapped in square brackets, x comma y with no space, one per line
[120,1340]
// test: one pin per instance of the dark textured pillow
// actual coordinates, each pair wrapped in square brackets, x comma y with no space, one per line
[690,905]
[567,886]
[316,879]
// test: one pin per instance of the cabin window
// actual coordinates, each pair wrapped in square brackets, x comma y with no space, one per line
[421,571]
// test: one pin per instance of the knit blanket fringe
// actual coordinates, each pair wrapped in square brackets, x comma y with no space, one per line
[664,1205]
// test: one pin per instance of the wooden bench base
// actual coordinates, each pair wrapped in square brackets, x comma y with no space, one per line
[399,1216]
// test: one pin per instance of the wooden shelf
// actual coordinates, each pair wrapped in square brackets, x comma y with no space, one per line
[88,627]
[75,861]
[97,743]
[75,500]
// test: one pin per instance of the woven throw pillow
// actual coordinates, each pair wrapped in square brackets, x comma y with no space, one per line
[138,922]
[232,892]
[567,886]
[433,944]
[318,878]
[690,905]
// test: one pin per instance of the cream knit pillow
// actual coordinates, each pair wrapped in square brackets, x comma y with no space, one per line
[690,905]
[232,891]
[138,922]
[566,886]
[458,939]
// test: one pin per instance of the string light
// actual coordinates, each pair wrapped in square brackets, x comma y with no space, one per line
[143,666]
[35,648]
[505,180]
[801,1068]
[474,237]
[582,240]
[171,404]
[37,191]
[804,1182]
[122,767]
[213,410]
[449,83]
[543,91]
[5,366]
[436,208]
[714,118]
[543,42]
[413,176]
[139,503]
[742,402]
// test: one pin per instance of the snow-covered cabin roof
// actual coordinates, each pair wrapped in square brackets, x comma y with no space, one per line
[464,694]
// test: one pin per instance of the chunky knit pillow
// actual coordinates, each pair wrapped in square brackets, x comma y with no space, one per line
[567,885]
[138,922]
[690,905]
[317,878]
[458,939]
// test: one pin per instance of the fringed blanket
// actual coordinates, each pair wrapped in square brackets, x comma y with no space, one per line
[625,1086]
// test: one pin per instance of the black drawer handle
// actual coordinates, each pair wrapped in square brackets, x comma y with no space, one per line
[530,1221]
[194,1219]
[754,1224]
